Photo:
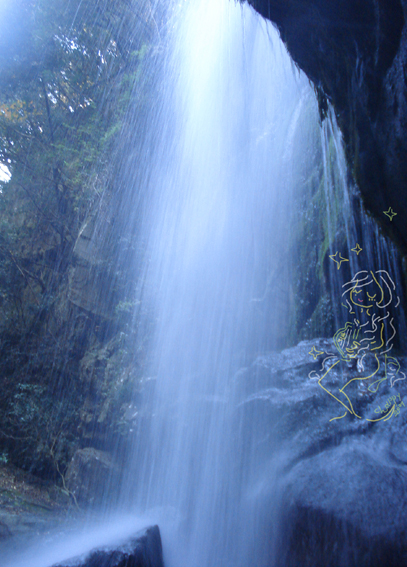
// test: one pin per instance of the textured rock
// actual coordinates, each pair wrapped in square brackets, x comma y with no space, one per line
[346,506]
[5,532]
[341,483]
[355,52]
[91,280]
[143,550]
[90,474]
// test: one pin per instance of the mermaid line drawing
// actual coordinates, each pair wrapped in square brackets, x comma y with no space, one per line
[367,297]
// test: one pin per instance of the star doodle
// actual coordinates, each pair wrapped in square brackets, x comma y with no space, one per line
[341,259]
[357,249]
[390,213]
[315,353]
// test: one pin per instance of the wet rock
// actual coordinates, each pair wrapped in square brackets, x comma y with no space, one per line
[295,405]
[346,506]
[91,280]
[342,484]
[143,550]
[355,52]
[5,531]
[29,507]
[90,475]
[115,392]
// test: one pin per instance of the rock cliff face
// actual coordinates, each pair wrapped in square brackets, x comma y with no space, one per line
[355,52]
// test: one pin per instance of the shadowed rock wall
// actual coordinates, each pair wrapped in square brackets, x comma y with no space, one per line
[355,52]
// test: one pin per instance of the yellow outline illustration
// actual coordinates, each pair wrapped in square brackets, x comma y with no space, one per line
[341,259]
[366,334]
[390,213]
[315,353]
[357,249]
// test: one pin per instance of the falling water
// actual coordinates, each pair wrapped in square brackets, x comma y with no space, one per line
[236,135]
[220,200]
[349,226]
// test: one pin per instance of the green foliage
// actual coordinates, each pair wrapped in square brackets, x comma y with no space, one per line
[65,88]
[62,103]
[38,427]
[68,73]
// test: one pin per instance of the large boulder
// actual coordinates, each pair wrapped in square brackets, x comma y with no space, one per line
[333,489]
[143,550]
[346,506]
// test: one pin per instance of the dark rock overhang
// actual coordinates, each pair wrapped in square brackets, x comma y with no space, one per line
[355,53]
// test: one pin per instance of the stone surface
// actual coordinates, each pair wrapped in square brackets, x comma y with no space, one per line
[91,279]
[346,506]
[29,508]
[341,484]
[5,532]
[355,52]
[90,475]
[143,550]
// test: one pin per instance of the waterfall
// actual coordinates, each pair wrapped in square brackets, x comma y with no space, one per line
[349,226]
[216,225]
[223,179]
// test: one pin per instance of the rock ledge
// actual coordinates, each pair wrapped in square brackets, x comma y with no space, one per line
[143,550]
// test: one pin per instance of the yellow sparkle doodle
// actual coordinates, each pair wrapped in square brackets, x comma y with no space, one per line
[315,353]
[368,336]
[390,213]
[357,249]
[339,260]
